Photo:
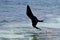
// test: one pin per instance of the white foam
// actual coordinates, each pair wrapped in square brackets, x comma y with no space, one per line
[50,25]
[50,18]
[11,36]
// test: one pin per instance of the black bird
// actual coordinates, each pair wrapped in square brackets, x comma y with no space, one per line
[32,17]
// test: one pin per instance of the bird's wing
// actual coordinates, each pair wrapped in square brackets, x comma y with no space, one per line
[29,12]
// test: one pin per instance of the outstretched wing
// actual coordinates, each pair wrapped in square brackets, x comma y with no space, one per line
[29,12]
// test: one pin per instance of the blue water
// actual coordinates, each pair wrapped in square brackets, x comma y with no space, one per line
[15,25]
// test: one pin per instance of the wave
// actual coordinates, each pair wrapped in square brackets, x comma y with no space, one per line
[7,21]
[25,24]
[3,21]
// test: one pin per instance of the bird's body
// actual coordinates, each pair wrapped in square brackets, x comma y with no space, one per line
[32,17]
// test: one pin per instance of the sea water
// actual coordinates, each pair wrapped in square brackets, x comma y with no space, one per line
[15,25]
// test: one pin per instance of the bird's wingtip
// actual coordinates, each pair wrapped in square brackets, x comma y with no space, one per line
[27,5]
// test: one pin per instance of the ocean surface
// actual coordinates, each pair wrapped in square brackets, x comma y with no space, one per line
[15,25]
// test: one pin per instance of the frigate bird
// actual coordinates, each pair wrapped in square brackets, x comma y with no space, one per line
[32,17]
